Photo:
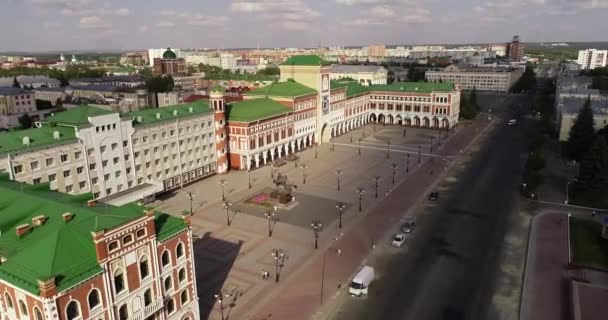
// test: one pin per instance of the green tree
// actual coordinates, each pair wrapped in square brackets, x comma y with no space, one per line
[582,133]
[16,83]
[160,84]
[59,102]
[593,171]
[390,77]
[25,121]
[270,71]
[527,81]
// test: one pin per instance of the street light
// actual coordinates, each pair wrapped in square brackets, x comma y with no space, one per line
[249,177]
[190,197]
[407,163]
[340,207]
[316,227]
[227,206]
[377,179]
[359,146]
[338,174]
[419,153]
[303,167]
[279,262]
[432,138]
[394,167]
[220,297]
[388,149]
[222,182]
[271,217]
[360,191]
[567,192]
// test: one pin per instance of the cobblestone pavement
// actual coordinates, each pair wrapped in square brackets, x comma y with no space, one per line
[231,258]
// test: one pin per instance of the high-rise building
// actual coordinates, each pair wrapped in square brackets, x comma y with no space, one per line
[376,51]
[515,49]
[592,58]
[170,64]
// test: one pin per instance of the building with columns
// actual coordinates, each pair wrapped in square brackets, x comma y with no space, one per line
[63,257]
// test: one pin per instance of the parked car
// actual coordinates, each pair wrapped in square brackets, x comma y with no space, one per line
[433,196]
[398,240]
[408,227]
[512,122]
[361,281]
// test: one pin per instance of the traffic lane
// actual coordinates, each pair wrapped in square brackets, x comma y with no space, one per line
[440,273]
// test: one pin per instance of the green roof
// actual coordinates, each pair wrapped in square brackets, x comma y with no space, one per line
[169,54]
[255,109]
[12,141]
[352,87]
[241,77]
[59,249]
[305,60]
[149,116]
[283,89]
[77,116]
[425,87]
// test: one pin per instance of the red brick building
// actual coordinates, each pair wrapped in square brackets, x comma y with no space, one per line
[170,65]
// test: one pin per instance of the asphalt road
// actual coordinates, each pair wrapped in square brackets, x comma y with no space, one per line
[449,270]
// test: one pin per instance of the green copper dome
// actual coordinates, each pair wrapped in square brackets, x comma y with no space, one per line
[169,54]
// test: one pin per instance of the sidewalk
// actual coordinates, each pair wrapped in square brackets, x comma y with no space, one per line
[300,295]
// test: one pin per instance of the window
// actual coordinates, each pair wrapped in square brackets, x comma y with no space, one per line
[179,252]
[77,154]
[113,245]
[82,184]
[34,165]
[106,177]
[22,308]
[52,177]
[181,275]
[170,306]
[92,166]
[127,239]
[114,146]
[36,181]
[80,170]
[37,314]
[64,158]
[94,181]
[102,149]
[168,284]
[115,160]
[144,270]
[93,299]
[90,151]
[147,297]
[165,258]
[119,281]
[49,162]
[72,311]
[123,312]
[69,188]
[184,297]
[18,169]
[104,163]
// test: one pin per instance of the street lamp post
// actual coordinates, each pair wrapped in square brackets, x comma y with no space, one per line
[388,149]
[295,163]
[190,197]
[377,179]
[359,146]
[340,207]
[249,177]
[394,167]
[271,217]
[303,166]
[407,163]
[220,297]
[227,206]
[338,174]
[331,147]
[316,227]
[360,191]
[431,147]
[419,154]
[222,182]
[279,261]
[567,192]
[404,132]
[316,150]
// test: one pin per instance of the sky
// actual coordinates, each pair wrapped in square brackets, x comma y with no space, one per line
[55,25]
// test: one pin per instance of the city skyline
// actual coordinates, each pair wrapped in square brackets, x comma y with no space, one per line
[88,24]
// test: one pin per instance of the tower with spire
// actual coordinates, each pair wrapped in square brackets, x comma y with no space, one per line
[218,104]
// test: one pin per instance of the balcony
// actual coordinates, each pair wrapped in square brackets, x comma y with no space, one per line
[147,311]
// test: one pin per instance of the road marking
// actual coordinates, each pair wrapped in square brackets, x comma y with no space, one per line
[393,150]
[567,205]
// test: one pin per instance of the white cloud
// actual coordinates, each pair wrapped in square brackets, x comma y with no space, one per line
[290,10]
[122,12]
[166,24]
[295,25]
[174,18]
[167,13]
[92,22]
[356,2]
[383,11]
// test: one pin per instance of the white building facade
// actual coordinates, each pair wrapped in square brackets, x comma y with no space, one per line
[592,58]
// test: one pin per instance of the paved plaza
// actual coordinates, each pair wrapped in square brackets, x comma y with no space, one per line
[231,258]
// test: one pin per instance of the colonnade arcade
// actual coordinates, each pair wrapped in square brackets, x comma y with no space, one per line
[271,153]
[414,121]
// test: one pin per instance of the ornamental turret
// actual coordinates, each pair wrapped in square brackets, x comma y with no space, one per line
[218,104]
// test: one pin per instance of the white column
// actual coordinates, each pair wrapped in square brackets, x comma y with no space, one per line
[293,146]
[265,156]
[279,150]
[257,160]
[286,148]
[272,154]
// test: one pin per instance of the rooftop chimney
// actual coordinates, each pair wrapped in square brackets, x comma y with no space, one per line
[26,141]
[174,112]
[22,229]
[56,135]
[68,216]
[158,115]
[37,221]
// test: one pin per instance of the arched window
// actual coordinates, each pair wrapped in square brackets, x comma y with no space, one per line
[123,312]
[184,297]
[168,283]
[93,299]
[22,308]
[148,297]
[37,314]
[144,270]
[179,252]
[9,301]
[165,258]
[170,306]
[119,281]
[72,311]
[181,275]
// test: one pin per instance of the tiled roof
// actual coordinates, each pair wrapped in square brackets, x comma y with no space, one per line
[11,142]
[59,249]
[255,109]
[77,116]
[170,113]
[305,60]
[283,89]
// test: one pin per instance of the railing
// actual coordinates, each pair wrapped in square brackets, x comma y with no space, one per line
[148,311]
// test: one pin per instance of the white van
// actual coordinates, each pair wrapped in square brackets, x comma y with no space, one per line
[361,281]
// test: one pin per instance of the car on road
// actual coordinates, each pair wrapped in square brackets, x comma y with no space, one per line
[408,227]
[398,240]
[433,196]
[512,122]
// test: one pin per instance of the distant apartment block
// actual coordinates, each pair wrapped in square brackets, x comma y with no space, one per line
[169,64]
[592,58]
[365,75]
[30,82]
[495,79]
[515,49]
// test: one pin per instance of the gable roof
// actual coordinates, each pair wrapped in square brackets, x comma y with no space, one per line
[170,113]
[255,109]
[283,89]
[77,116]
[305,60]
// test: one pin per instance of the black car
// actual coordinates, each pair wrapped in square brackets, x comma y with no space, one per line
[433,196]
[408,227]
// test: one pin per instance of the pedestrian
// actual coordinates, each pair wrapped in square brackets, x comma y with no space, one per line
[265,274]
[339,284]
[593,213]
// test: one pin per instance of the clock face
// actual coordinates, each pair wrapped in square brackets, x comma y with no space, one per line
[325,105]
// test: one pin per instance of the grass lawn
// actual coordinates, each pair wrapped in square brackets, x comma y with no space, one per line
[586,242]
[588,198]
